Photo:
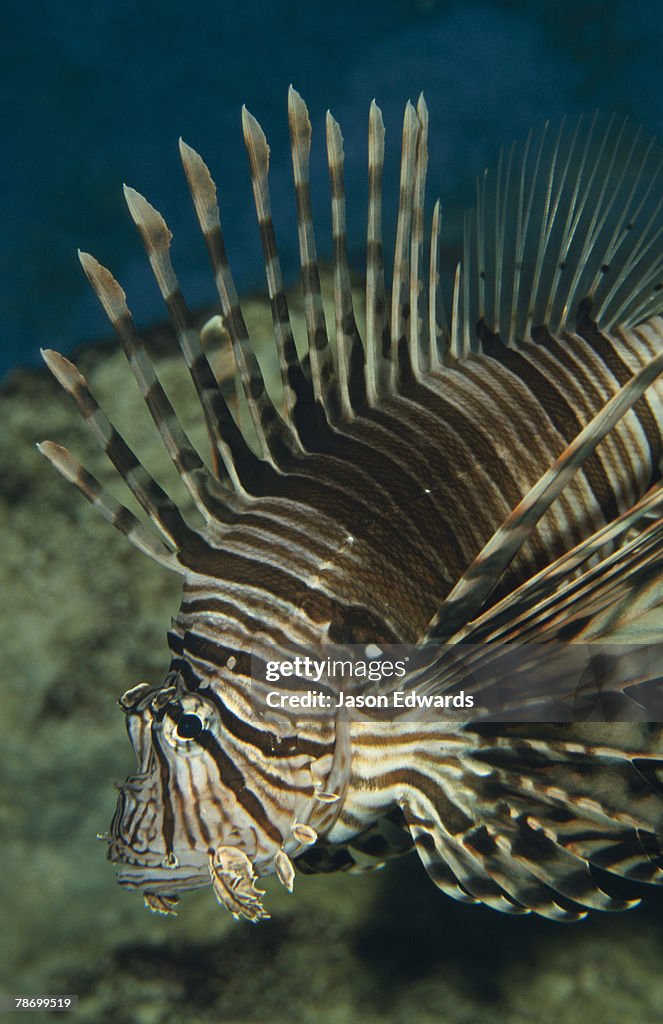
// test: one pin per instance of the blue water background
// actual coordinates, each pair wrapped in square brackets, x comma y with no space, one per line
[94,94]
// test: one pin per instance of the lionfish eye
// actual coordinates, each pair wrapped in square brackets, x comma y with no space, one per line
[189,726]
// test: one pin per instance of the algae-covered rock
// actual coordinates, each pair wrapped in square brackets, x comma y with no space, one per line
[83,618]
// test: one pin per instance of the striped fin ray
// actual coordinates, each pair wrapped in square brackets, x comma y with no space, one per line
[480,251]
[516,816]
[451,864]
[590,607]
[556,589]
[227,441]
[401,312]
[546,780]
[424,835]
[500,231]
[466,270]
[210,499]
[117,514]
[587,609]
[298,399]
[322,365]
[160,508]
[457,334]
[275,440]
[419,340]
[516,839]
[467,597]
[349,348]
[487,863]
[438,328]
[377,317]
[568,218]
[511,616]
[522,225]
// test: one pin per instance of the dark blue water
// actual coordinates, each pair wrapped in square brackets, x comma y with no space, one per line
[94,94]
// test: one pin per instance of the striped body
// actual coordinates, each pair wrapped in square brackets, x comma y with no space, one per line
[403,493]
[429,478]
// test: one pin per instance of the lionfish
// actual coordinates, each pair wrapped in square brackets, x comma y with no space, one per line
[490,478]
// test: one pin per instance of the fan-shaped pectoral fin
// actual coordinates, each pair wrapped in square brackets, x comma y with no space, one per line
[233,881]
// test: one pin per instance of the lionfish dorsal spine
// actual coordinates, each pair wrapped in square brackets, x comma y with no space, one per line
[299,407]
[118,515]
[401,312]
[522,223]
[162,511]
[548,214]
[209,499]
[377,315]
[419,339]
[319,349]
[228,443]
[275,441]
[349,348]
[438,328]
[466,273]
[457,334]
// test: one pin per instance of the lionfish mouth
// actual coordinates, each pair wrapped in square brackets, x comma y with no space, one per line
[122,854]
[155,872]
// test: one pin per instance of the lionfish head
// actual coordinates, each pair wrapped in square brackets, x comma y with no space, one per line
[191,816]
[157,842]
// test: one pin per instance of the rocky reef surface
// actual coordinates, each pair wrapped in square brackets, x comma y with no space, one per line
[83,618]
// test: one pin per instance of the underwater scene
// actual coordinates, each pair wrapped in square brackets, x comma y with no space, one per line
[333,629]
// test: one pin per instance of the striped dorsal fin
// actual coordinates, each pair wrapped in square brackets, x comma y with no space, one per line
[274,439]
[227,442]
[163,512]
[583,246]
[565,227]
[209,498]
